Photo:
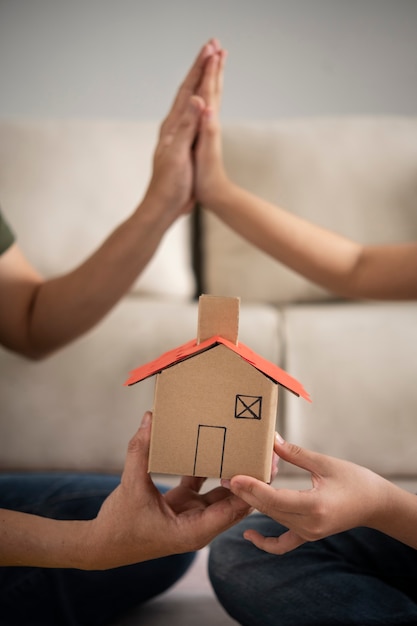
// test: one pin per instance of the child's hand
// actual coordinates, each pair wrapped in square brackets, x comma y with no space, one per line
[343,496]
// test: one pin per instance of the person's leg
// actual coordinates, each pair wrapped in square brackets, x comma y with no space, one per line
[73,597]
[356,578]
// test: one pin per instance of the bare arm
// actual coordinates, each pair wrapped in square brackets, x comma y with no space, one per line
[343,496]
[30,540]
[136,523]
[38,316]
[328,259]
[386,272]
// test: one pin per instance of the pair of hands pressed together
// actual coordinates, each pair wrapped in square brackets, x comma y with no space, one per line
[181,170]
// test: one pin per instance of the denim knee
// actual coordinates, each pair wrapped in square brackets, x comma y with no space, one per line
[345,579]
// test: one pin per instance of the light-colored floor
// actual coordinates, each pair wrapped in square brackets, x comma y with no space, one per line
[190,602]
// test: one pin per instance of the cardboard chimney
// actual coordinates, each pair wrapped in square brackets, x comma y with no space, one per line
[215,403]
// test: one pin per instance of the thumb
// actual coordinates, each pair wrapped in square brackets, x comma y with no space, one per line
[136,463]
[189,122]
[312,462]
[209,126]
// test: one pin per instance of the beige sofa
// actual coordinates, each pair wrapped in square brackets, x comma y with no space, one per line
[65,184]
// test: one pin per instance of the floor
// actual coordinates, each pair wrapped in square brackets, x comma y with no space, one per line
[191,601]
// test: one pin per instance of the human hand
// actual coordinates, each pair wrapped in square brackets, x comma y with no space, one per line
[137,523]
[343,496]
[210,176]
[172,179]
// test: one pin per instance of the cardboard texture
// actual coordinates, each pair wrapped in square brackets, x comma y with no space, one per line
[218,316]
[215,402]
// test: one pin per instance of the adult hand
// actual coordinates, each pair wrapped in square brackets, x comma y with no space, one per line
[343,496]
[172,180]
[137,522]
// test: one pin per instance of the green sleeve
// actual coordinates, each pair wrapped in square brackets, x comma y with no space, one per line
[6,235]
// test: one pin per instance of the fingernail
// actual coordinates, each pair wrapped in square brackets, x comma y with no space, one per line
[279,438]
[146,419]
[225,483]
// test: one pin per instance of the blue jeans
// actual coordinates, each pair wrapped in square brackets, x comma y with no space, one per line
[360,577]
[68,597]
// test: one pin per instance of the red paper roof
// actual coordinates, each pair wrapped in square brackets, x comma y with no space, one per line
[192,347]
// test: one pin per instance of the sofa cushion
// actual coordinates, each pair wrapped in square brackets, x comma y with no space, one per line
[72,412]
[356,176]
[64,185]
[359,363]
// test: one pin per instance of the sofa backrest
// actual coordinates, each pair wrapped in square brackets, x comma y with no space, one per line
[356,176]
[65,184]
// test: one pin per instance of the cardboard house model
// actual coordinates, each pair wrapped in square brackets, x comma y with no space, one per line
[215,403]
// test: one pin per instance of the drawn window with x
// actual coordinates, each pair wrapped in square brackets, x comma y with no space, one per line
[248,407]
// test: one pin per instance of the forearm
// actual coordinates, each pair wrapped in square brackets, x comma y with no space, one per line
[68,306]
[315,253]
[397,516]
[324,257]
[33,541]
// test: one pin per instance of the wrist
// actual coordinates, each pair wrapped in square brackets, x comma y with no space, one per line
[79,549]
[396,514]
[222,196]
[379,496]
[94,547]
[153,216]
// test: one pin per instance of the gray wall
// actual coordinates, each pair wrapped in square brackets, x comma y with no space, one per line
[124,58]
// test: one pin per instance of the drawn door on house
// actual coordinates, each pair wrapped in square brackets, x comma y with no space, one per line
[209,451]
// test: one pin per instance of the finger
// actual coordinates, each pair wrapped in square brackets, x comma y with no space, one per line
[218,517]
[217,494]
[220,78]
[187,128]
[192,482]
[274,545]
[272,502]
[255,492]
[274,465]
[208,86]
[192,80]
[312,462]
[212,81]
[209,133]
[136,463]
